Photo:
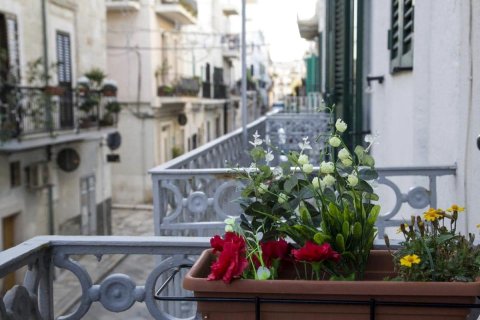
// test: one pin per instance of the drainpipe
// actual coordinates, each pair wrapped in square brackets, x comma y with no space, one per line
[244,77]
[51,221]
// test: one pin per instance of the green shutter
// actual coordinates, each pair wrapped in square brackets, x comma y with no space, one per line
[344,58]
[401,36]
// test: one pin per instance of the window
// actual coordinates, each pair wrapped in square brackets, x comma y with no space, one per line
[401,35]
[9,50]
[15,174]
[64,59]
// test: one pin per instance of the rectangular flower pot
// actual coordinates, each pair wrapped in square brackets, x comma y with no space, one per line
[347,292]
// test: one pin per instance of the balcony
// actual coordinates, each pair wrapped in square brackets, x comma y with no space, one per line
[42,111]
[192,197]
[123,5]
[231,46]
[183,12]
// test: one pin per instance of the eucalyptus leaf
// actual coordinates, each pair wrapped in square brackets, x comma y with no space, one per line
[367,174]
[290,183]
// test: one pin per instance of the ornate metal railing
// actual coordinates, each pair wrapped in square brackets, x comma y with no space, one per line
[195,202]
[34,298]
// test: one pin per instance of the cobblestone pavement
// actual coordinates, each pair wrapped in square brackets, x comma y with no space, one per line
[127,222]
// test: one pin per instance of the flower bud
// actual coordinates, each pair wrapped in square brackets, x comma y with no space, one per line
[334,141]
[228,228]
[340,125]
[327,167]
[263,273]
[303,159]
[347,162]
[307,168]
[282,198]
[343,154]
[262,188]
[352,180]
[329,180]
[318,184]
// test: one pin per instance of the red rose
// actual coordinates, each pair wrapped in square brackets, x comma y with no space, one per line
[272,250]
[312,252]
[232,260]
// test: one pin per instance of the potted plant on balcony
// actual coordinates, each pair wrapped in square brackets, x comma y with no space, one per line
[113,108]
[306,235]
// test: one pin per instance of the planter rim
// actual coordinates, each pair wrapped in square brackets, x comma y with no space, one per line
[194,281]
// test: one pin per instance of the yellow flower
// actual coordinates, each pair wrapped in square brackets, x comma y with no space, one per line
[410,259]
[456,208]
[431,215]
[478,226]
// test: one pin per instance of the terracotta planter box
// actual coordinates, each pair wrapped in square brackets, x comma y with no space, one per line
[379,266]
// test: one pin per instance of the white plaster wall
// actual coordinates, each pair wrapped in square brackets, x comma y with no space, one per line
[431,116]
[392,102]
[472,123]
[130,181]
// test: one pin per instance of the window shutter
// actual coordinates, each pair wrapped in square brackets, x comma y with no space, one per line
[401,35]
[64,59]
[407,41]
[13,50]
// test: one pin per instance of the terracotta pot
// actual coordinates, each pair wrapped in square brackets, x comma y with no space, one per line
[379,266]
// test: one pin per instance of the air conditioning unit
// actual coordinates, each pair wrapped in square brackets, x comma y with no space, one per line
[37,175]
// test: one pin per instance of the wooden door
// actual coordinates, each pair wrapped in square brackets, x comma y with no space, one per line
[8,231]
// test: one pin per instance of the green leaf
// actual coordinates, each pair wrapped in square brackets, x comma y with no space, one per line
[360,153]
[257,154]
[342,170]
[290,183]
[305,215]
[320,238]
[368,160]
[357,230]
[364,186]
[265,170]
[340,242]
[371,196]
[329,194]
[367,174]
[345,229]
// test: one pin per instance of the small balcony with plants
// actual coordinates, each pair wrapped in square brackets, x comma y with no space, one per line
[193,197]
[183,12]
[38,111]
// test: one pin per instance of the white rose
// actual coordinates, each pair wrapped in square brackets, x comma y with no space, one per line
[334,141]
[262,188]
[352,180]
[318,184]
[347,162]
[329,180]
[327,167]
[343,154]
[303,159]
[307,168]
[340,125]
[282,198]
